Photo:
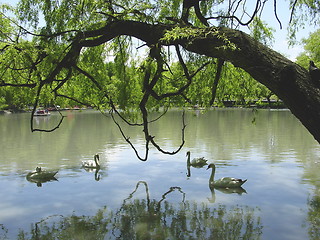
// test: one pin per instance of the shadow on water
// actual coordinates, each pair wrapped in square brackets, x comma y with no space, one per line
[146,218]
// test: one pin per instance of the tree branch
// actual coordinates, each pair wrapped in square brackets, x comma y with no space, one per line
[258,5]
[275,13]
[292,11]
[29,85]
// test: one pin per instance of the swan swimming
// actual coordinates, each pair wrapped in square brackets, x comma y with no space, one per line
[92,163]
[225,182]
[196,162]
[39,174]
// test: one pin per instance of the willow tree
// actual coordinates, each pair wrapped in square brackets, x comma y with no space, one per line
[48,41]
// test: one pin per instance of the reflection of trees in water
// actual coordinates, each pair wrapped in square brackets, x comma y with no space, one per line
[314,217]
[311,177]
[3,232]
[153,219]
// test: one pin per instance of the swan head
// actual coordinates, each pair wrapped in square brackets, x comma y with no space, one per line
[96,156]
[188,153]
[211,165]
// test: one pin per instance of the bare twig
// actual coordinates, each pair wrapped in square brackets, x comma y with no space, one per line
[148,89]
[29,85]
[74,99]
[258,4]
[275,13]
[292,11]
[35,105]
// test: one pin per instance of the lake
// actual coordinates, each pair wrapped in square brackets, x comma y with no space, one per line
[156,199]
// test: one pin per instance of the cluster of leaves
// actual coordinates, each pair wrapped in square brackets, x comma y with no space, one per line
[311,50]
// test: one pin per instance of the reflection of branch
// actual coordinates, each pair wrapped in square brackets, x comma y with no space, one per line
[129,197]
[37,231]
[134,191]
[171,190]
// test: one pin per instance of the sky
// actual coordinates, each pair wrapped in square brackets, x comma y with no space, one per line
[280,35]
[281,42]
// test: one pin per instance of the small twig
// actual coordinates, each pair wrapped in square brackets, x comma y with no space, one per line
[237,19]
[128,139]
[34,110]
[29,85]
[74,99]
[275,13]
[292,11]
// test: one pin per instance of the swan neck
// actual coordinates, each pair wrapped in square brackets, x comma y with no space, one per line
[96,159]
[211,180]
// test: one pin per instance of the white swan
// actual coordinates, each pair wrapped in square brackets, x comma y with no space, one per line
[225,182]
[196,162]
[92,163]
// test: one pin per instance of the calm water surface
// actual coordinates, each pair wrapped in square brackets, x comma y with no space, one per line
[130,199]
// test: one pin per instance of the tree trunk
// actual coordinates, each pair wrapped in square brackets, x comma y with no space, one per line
[289,81]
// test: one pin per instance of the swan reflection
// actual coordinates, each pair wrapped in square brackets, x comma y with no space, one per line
[97,176]
[236,190]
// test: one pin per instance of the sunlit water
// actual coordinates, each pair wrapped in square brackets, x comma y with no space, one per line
[131,199]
